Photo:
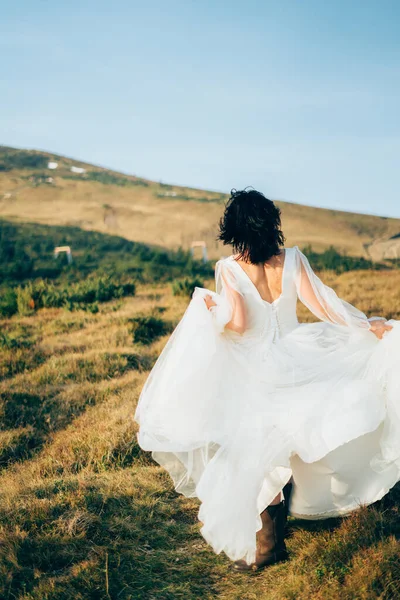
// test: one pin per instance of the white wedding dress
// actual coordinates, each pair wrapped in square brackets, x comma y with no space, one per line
[233,416]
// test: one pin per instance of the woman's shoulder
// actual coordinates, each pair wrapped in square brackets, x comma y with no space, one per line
[225,261]
[287,253]
[292,253]
[227,270]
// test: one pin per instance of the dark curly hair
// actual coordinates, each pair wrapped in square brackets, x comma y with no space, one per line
[252,225]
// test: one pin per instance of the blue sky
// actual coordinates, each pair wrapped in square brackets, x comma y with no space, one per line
[299,98]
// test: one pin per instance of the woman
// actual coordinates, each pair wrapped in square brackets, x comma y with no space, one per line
[245,400]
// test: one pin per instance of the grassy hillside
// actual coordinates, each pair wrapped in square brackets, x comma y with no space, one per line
[155,213]
[85,514]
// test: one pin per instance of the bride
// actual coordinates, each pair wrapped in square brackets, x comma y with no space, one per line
[245,403]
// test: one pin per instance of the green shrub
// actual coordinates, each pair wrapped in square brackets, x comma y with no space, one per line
[82,295]
[147,328]
[92,307]
[185,287]
[15,339]
[25,302]
[332,259]
[21,159]
[8,302]
[108,178]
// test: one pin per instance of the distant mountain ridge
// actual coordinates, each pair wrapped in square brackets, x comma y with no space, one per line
[100,199]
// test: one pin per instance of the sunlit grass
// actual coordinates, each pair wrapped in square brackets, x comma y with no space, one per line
[85,514]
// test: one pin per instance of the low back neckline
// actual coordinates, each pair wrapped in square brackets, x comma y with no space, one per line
[255,287]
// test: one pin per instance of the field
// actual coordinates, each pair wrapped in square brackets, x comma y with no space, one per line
[85,514]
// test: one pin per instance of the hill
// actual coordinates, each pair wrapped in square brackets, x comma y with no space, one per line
[137,209]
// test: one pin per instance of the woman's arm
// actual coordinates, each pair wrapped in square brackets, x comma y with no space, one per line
[238,320]
[231,298]
[323,302]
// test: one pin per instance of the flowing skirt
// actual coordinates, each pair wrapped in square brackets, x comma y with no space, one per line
[233,421]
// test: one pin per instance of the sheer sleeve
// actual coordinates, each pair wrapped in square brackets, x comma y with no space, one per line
[322,300]
[230,309]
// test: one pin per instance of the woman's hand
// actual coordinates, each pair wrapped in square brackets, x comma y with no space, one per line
[209,301]
[380,327]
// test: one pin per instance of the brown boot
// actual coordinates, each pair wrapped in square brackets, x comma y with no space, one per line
[270,539]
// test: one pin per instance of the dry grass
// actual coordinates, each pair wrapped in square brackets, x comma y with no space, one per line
[84,514]
[374,292]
